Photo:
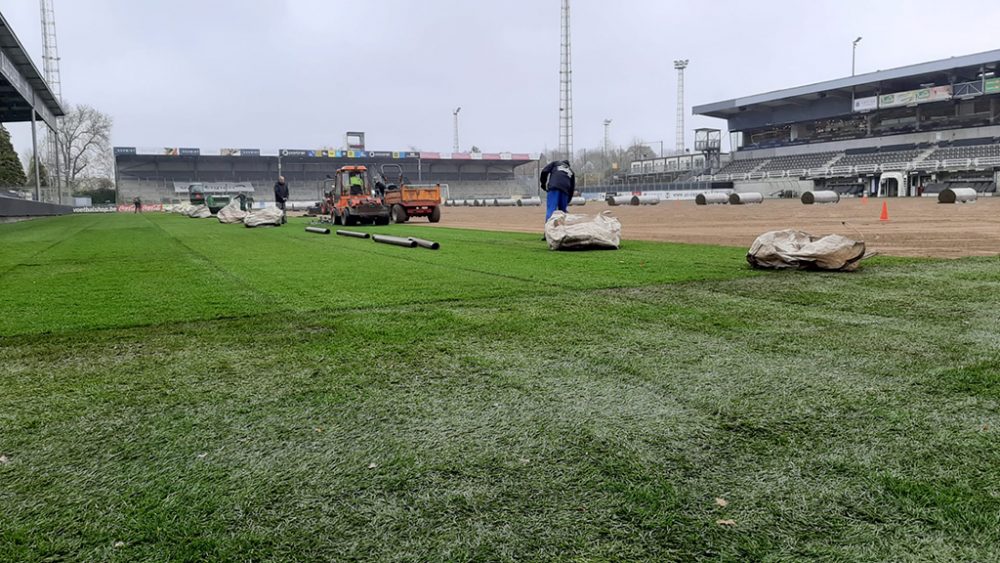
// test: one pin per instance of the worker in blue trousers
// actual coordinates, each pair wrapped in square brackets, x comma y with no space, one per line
[559,183]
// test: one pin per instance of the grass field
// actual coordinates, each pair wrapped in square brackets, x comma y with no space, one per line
[180,390]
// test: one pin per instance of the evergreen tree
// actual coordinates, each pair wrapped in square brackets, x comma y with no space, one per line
[11,171]
[43,172]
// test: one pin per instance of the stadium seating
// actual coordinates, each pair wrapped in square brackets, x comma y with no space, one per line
[982,148]
[742,166]
[798,161]
[880,155]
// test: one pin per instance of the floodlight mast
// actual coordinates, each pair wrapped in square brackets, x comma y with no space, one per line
[565,87]
[455,145]
[607,136]
[680,65]
[50,68]
[854,52]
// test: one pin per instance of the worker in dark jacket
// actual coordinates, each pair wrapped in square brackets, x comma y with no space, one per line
[559,183]
[281,195]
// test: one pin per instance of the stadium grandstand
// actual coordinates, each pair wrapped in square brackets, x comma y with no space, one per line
[25,96]
[906,131]
[165,175]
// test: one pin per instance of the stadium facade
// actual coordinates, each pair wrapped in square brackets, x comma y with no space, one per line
[164,175]
[906,131]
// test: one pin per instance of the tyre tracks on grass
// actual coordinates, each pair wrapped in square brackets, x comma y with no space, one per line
[27,259]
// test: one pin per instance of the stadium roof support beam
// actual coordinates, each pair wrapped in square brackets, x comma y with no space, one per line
[24,94]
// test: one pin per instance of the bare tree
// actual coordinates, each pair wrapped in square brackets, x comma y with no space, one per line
[84,145]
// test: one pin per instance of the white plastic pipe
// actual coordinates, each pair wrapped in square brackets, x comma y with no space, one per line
[529,201]
[709,198]
[957,195]
[576,201]
[821,196]
[504,202]
[619,200]
[644,200]
[745,198]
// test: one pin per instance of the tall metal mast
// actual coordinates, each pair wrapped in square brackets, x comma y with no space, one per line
[455,147]
[50,68]
[565,88]
[607,136]
[680,66]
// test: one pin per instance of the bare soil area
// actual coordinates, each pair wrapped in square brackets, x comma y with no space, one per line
[916,226]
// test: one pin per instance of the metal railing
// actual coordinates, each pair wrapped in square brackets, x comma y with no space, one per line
[836,171]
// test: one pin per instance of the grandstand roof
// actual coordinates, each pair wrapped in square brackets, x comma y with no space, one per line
[952,69]
[21,85]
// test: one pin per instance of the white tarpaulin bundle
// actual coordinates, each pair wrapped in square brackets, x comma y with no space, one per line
[797,249]
[232,213]
[578,232]
[182,208]
[267,217]
[199,212]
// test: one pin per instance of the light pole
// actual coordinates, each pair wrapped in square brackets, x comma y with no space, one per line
[455,114]
[680,65]
[607,136]
[854,52]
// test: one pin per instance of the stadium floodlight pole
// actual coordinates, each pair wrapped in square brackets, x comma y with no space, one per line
[607,136]
[565,86]
[680,65]
[455,115]
[854,52]
[50,67]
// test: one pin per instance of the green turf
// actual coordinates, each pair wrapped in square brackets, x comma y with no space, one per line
[203,392]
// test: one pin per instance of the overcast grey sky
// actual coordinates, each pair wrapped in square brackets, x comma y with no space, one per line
[298,73]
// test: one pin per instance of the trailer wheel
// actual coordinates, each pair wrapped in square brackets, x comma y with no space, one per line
[346,219]
[335,216]
[399,214]
[435,215]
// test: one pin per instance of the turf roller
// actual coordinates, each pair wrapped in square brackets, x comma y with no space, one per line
[744,198]
[709,198]
[820,196]
[957,195]
[398,241]
[354,234]
[422,243]
[644,200]
[318,230]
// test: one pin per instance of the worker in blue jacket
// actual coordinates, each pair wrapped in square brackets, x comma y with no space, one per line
[559,183]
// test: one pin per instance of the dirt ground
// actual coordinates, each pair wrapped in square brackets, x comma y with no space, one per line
[916,226]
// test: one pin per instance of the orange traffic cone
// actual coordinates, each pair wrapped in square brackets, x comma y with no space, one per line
[864,197]
[885,212]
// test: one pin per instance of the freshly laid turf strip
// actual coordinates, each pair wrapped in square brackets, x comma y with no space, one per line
[198,391]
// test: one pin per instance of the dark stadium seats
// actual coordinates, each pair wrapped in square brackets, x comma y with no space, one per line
[883,155]
[955,155]
[982,149]
[798,161]
[742,166]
